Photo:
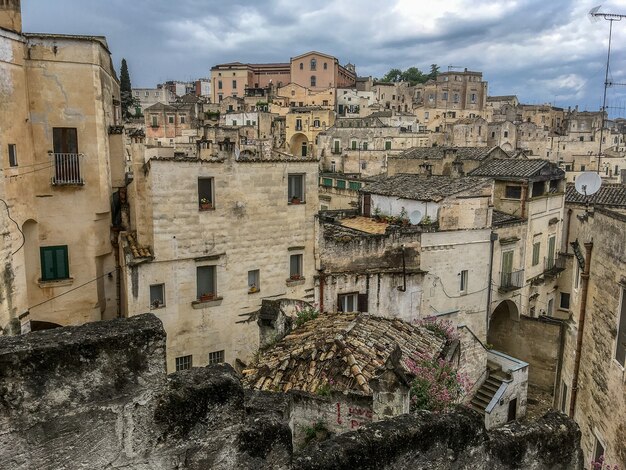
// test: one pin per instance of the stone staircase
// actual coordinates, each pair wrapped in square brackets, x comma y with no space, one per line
[489,388]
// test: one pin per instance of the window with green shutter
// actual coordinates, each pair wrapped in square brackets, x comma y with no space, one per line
[54,263]
[341,184]
[327,181]
[355,185]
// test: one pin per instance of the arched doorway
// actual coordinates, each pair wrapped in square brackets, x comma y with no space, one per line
[299,145]
[503,326]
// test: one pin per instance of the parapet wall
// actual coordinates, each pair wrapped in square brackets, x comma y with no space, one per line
[97,396]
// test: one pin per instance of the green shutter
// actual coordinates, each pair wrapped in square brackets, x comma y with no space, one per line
[54,263]
[507,262]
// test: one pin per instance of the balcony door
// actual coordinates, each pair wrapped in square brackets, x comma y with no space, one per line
[551,247]
[66,158]
[507,268]
[65,140]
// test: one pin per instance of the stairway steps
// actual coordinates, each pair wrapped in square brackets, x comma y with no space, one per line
[482,402]
[484,396]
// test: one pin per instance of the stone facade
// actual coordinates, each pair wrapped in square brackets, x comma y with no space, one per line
[250,232]
[62,152]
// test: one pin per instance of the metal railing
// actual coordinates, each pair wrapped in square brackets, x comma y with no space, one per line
[511,280]
[554,265]
[67,169]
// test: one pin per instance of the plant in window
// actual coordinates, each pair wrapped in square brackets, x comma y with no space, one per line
[252,289]
[206,296]
[296,277]
[377,214]
[295,200]
[205,204]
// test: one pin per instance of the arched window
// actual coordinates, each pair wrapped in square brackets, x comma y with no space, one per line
[313,64]
[301,65]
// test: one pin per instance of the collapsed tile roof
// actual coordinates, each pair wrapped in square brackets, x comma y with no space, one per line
[502,218]
[426,188]
[135,249]
[343,350]
[438,153]
[612,195]
[515,168]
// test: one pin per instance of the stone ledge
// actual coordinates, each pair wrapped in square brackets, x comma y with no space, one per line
[56,283]
[199,304]
[294,282]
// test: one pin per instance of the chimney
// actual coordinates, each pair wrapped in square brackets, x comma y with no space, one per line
[426,168]
[11,15]
[449,153]
[457,169]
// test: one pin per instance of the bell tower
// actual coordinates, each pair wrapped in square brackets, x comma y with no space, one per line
[11,15]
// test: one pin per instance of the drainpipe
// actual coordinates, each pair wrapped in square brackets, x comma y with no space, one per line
[322,279]
[567,228]
[581,326]
[524,197]
[493,237]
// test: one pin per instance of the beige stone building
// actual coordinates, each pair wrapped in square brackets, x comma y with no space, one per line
[318,71]
[209,237]
[303,125]
[591,387]
[294,95]
[62,157]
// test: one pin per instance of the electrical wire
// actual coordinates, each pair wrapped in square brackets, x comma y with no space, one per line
[29,172]
[47,162]
[16,224]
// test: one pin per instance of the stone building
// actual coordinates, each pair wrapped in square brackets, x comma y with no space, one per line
[303,125]
[62,156]
[591,387]
[147,97]
[294,95]
[170,124]
[210,236]
[343,369]
[318,71]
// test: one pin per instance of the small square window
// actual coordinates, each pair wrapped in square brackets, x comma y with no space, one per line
[157,295]
[216,357]
[205,194]
[564,304]
[54,263]
[206,283]
[295,189]
[183,363]
[254,282]
[513,192]
[463,281]
[170,119]
[295,267]
[348,302]
[341,184]
[388,145]
[12,155]
[182,119]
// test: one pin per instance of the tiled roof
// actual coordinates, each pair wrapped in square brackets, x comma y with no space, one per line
[516,168]
[502,218]
[612,195]
[343,350]
[437,153]
[501,98]
[137,250]
[426,188]
[365,224]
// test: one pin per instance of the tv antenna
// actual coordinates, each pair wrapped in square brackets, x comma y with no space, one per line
[594,15]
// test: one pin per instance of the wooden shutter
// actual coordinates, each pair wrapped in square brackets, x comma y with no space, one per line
[620,353]
[367,205]
[507,262]
[339,303]
[363,303]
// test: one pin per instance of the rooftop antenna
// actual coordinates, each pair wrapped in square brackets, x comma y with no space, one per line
[594,15]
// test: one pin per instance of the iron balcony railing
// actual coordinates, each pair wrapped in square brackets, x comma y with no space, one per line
[67,169]
[552,266]
[511,280]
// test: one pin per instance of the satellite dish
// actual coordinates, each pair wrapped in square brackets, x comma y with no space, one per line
[588,183]
[415,217]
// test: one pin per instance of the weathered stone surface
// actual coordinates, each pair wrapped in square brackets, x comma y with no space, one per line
[97,396]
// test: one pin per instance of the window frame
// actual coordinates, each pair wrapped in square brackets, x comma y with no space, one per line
[204,194]
[211,288]
[510,192]
[254,281]
[12,152]
[183,362]
[58,275]
[296,260]
[292,191]
[216,357]
[343,298]
[621,329]
[464,279]
[565,299]
[155,302]
[536,254]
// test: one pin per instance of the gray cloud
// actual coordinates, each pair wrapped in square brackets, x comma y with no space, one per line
[543,51]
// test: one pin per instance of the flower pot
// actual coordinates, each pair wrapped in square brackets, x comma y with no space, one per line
[206,206]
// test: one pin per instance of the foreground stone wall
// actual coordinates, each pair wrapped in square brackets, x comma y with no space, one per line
[97,396]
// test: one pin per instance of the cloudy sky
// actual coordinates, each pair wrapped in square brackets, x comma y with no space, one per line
[541,50]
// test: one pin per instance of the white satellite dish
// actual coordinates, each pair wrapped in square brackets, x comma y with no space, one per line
[415,217]
[588,183]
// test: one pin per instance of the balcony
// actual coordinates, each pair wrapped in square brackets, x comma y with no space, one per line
[67,169]
[553,266]
[511,280]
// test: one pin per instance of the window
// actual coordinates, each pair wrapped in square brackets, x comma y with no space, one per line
[219,85]
[54,263]
[183,363]
[182,119]
[463,283]
[216,357]
[620,350]
[507,266]
[313,64]
[206,282]
[65,140]
[445,96]
[295,267]
[513,192]
[341,184]
[205,193]
[12,155]
[170,119]
[353,145]
[473,98]
[234,84]
[426,114]
[551,249]
[550,307]
[536,250]
[333,166]
[316,123]
[298,124]
[387,144]
[355,185]
[157,295]
[254,282]
[456,97]
[598,452]
[295,190]
[304,149]
[364,145]
[325,66]
[582,167]
[564,303]
[563,397]
[506,134]
[348,302]
[313,80]
[538,188]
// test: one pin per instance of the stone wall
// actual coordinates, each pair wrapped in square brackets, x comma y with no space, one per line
[97,396]
[533,340]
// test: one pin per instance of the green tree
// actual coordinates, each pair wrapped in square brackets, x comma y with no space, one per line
[126,91]
[434,71]
[394,75]
[413,75]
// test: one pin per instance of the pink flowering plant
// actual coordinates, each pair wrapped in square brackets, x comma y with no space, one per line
[443,329]
[600,464]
